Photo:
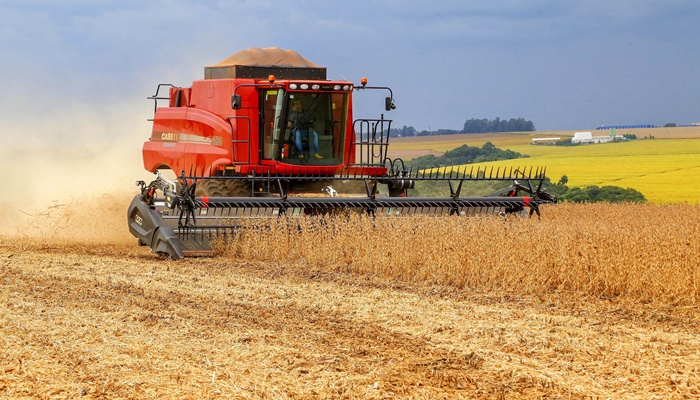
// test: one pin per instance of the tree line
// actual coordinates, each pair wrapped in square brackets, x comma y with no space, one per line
[473,125]
[593,193]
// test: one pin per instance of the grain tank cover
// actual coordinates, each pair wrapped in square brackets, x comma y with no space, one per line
[259,63]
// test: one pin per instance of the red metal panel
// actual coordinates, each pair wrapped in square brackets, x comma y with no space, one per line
[187,138]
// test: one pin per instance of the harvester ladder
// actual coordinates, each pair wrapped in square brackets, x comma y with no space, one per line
[240,142]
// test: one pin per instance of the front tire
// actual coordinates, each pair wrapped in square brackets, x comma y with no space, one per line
[223,188]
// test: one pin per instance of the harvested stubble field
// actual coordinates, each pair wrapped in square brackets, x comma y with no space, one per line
[591,301]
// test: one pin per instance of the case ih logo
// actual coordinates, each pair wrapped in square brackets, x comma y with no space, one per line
[169,136]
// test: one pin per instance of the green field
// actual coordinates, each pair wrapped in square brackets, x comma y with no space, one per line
[664,170]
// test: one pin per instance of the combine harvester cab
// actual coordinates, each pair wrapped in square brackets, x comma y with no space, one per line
[265,134]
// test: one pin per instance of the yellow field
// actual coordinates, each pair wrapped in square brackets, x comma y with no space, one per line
[663,169]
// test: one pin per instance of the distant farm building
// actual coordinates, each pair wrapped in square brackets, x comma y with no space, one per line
[587,137]
[546,140]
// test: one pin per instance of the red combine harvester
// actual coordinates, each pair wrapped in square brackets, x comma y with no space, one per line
[265,134]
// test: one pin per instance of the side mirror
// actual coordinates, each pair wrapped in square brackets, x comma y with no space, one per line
[389,104]
[236,101]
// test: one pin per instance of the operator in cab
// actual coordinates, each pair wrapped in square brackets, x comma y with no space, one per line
[298,121]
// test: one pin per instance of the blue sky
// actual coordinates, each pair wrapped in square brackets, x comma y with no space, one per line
[80,68]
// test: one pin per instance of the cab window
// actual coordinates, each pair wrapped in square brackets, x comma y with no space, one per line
[314,128]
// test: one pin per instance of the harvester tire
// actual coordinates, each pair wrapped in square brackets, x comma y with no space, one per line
[210,188]
[222,188]
[237,188]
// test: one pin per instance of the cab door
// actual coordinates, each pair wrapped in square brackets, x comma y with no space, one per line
[272,104]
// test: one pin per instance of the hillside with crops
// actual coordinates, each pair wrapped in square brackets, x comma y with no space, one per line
[591,300]
[661,163]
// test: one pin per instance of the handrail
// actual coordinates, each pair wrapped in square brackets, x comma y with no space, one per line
[370,141]
[155,97]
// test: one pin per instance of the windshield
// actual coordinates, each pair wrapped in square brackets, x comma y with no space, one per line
[306,128]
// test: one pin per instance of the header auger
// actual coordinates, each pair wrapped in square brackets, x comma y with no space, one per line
[265,134]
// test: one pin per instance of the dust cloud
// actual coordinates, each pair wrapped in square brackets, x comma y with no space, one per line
[72,177]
